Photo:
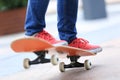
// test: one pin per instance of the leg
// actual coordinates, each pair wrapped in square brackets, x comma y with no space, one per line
[35,16]
[35,21]
[67,15]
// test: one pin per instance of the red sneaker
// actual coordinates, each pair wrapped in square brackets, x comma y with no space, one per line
[84,44]
[48,37]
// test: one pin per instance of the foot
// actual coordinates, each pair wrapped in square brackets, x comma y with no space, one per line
[84,44]
[48,37]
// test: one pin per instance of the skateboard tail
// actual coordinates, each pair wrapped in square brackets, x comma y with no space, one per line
[71,51]
[79,53]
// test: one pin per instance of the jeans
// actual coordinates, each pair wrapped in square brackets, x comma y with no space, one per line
[67,16]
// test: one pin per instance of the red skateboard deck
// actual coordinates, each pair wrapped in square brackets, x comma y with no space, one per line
[35,44]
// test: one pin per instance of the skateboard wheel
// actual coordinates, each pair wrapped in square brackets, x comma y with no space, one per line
[61,67]
[26,64]
[54,60]
[87,65]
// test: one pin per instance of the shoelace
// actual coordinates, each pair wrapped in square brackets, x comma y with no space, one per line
[46,36]
[80,42]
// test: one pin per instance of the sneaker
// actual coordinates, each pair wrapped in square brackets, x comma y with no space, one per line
[48,37]
[84,44]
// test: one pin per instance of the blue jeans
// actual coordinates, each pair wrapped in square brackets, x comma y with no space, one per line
[67,15]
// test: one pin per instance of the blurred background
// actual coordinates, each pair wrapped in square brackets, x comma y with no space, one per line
[12,13]
[98,21]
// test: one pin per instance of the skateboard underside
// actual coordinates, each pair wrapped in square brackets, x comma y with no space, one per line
[30,45]
[71,51]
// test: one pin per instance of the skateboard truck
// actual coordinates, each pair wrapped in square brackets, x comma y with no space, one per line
[74,63]
[40,59]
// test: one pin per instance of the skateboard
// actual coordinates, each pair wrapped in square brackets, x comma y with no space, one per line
[41,47]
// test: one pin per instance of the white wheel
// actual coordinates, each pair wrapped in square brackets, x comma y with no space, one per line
[26,64]
[54,60]
[61,67]
[87,65]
